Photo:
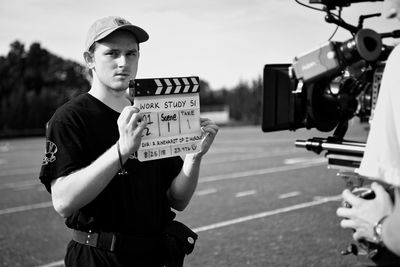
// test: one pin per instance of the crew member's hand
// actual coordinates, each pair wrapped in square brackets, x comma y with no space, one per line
[130,126]
[210,130]
[364,214]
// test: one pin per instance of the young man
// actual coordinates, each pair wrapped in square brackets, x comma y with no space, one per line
[378,220]
[117,218]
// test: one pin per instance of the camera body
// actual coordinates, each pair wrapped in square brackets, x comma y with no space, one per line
[331,58]
[326,86]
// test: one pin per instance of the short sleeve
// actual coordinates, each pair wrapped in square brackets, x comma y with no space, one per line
[64,153]
[381,159]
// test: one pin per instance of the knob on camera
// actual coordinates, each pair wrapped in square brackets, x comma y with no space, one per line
[362,192]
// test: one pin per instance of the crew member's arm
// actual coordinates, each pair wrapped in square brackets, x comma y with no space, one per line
[390,227]
[184,185]
[72,192]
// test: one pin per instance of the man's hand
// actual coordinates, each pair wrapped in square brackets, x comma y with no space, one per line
[130,127]
[210,130]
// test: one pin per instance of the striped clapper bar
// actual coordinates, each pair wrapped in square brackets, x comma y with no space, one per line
[171,107]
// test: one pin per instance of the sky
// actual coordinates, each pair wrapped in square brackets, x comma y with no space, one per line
[224,42]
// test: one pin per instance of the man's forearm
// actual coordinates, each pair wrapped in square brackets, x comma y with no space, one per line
[72,192]
[183,186]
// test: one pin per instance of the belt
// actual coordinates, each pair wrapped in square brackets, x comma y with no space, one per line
[114,241]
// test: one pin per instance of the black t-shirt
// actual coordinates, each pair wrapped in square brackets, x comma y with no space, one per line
[77,134]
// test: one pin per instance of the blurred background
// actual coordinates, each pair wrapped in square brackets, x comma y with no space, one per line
[225,43]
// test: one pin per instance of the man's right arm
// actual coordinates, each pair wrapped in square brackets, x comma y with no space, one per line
[72,192]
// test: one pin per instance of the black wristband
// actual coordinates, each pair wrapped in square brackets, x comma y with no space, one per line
[122,170]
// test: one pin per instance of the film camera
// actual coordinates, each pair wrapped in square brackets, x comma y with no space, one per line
[325,88]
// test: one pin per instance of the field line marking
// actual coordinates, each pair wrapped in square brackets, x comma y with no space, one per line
[267,213]
[212,178]
[206,192]
[237,175]
[53,264]
[36,170]
[242,157]
[24,183]
[26,208]
[245,193]
[288,195]
[22,171]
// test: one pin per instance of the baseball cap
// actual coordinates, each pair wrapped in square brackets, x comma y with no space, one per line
[105,26]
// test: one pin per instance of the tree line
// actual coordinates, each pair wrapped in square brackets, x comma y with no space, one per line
[34,83]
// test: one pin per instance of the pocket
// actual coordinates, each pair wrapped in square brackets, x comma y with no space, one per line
[184,236]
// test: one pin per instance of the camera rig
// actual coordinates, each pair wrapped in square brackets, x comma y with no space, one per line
[325,88]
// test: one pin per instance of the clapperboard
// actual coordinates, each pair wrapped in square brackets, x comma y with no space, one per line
[171,107]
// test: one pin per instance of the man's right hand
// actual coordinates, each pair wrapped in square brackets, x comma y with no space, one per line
[130,126]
